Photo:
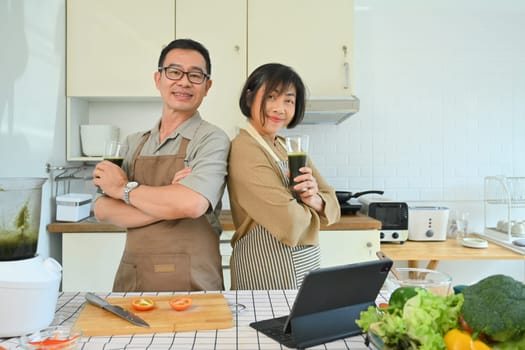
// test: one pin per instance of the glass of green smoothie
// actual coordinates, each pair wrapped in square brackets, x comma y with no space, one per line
[297,148]
[115,152]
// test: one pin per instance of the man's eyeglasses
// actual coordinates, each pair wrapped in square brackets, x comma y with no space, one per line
[172,73]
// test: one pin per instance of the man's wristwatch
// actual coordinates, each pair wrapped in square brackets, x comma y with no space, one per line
[130,186]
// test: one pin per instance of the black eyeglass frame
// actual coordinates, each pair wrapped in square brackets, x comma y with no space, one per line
[206,76]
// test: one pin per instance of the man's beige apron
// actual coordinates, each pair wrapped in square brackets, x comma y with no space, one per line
[170,255]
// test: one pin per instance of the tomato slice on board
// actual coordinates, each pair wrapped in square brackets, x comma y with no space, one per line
[180,304]
[143,304]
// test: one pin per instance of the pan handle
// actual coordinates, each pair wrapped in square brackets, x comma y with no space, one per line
[359,194]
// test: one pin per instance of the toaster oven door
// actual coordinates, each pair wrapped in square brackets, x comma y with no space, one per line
[393,215]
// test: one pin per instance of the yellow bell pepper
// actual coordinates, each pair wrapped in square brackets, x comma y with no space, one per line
[456,339]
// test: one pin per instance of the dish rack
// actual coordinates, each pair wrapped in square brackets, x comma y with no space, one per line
[504,212]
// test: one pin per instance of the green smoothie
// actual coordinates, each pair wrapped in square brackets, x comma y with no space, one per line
[295,162]
[115,160]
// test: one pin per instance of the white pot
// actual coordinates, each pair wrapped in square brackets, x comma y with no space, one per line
[29,291]
[94,137]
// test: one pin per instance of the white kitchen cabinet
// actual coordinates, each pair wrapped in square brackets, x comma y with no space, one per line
[315,38]
[226,252]
[113,46]
[346,247]
[112,52]
[90,260]
[113,61]
[222,29]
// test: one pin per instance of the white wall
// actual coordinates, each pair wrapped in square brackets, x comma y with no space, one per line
[32,96]
[442,85]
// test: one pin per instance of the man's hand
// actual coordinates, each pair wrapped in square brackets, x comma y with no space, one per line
[181,174]
[110,178]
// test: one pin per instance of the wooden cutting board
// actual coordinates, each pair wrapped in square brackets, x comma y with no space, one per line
[208,311]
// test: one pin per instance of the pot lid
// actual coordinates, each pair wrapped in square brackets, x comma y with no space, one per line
[29,273]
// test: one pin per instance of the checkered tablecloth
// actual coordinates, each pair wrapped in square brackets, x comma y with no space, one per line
[247,306]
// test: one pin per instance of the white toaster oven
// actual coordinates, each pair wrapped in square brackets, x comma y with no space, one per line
[427,223]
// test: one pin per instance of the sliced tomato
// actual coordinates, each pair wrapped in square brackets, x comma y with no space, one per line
[180,304]
[53,342]
[383,305]
[143,304]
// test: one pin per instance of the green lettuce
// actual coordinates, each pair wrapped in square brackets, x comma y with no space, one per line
[421,324]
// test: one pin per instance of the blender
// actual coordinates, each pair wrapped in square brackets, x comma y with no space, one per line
[29,282]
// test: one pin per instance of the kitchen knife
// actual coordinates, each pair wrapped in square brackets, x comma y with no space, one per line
[115,309]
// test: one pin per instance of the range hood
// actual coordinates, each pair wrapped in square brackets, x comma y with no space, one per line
[330,109]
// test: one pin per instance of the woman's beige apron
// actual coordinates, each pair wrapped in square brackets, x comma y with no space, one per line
[170,255]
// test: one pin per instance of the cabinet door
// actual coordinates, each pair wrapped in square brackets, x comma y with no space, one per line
[90,260]
[113,46]
[346,247]
[315,38]
[221,27]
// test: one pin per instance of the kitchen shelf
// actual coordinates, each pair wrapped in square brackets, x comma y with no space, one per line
[504,212]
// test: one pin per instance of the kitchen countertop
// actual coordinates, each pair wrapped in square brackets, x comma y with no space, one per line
[450,249]
[347,222]
[260,305]
[446,250]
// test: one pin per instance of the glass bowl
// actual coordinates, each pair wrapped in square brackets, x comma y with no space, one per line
[374,340]
[51,338]
[439,283]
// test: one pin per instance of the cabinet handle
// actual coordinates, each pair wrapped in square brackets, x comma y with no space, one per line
[369,244]
[347,75]
[346,66]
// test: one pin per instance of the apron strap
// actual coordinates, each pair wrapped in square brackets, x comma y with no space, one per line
[181,153]
[253,133]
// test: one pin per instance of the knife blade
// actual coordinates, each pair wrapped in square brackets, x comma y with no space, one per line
[115,309]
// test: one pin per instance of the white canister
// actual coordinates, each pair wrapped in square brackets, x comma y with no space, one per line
[29,289]
[73,207]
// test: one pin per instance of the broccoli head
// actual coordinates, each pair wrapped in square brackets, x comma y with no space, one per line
[495,306]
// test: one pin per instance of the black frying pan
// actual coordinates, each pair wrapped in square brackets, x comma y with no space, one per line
[343,196]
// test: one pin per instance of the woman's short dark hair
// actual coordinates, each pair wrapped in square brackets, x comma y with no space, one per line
[274,76]
[186,44]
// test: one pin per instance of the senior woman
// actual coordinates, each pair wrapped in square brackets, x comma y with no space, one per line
[276,240]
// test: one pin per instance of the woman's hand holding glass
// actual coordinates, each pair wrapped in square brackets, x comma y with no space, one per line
[307,189]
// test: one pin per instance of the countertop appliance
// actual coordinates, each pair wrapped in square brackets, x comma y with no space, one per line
[393,217]
[427,223]
[28,283]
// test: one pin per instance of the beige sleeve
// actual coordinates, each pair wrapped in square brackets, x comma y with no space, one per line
[332,210]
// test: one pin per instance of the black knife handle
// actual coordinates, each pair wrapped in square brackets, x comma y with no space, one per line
[96,300]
